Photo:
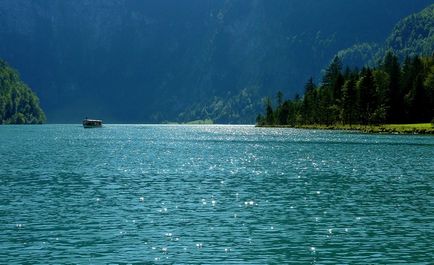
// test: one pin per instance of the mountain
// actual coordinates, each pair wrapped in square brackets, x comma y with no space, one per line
[413,35]
[170,60]
[18,104]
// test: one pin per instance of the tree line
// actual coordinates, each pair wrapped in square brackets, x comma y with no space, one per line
[392,92]
[18,104]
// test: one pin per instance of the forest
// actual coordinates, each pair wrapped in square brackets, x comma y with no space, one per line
[155,61]
[390,93]
[18,104]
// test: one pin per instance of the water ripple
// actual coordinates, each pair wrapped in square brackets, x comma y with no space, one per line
[214,194]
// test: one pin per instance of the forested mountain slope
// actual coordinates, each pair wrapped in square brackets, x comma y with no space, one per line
[18,104]
[413,35]
[150,61]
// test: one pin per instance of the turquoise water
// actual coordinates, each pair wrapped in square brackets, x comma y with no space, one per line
[214,194]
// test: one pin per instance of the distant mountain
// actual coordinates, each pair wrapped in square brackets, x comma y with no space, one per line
[18,104]
[413,35]
[170,60]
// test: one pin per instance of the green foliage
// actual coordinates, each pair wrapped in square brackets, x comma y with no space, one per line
[359,54]
[18,104]
[348,107]
[389,93]
[200,122]
[269,113]
[413,35]
[231,108]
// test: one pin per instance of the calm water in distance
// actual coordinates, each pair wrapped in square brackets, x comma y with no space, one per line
[214,195]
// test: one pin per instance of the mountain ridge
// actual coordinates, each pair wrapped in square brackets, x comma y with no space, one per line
[135,61]
[411,36]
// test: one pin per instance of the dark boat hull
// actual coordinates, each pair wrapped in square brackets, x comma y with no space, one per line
[87,123]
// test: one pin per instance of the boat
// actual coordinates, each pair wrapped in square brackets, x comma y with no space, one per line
[90,123]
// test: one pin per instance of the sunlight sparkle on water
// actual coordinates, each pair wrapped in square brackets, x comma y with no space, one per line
[213,195]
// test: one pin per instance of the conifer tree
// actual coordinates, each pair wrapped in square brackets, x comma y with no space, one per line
[388,93]
[392,68]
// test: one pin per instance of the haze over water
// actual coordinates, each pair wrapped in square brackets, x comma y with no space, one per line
[214,194]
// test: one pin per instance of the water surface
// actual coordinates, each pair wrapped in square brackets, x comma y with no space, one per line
[214,194]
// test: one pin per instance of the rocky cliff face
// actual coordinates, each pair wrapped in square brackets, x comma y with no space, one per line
[149,61]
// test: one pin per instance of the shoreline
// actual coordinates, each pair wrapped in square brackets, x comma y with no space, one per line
[423,128]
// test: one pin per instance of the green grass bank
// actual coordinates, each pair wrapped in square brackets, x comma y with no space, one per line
[418,128]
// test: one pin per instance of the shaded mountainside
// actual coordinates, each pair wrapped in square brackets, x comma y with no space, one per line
[413,35]
[18,104]
[151,61]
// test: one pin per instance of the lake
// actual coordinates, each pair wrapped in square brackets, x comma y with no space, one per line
[161,194]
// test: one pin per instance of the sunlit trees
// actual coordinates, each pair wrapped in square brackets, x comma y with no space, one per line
[389,93]
[18,104]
